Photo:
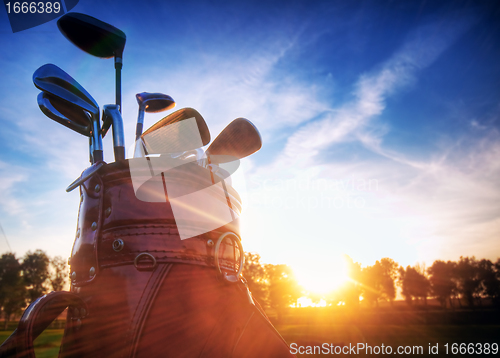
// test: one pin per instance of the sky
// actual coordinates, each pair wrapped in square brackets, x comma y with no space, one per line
[379,119]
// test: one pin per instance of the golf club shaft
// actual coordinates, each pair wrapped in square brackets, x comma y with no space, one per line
[118,90]
[96,140]
[111,115]
[140,123]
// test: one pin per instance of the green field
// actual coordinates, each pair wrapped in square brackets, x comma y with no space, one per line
[47,345]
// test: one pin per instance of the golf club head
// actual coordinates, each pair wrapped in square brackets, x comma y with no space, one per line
[151,103]
[180,131]
[154,102]
[111,116]
[63,113]
[92,35]
[53,80]
[238,140]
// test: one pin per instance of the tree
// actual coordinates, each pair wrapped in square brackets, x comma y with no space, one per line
[388,273]
[12,290]
[59,274]
[441,280]
[414,283]
[467,276]
[283,288]
[378,281]
[36,273]
[488,276]
[255,275]
[350,291]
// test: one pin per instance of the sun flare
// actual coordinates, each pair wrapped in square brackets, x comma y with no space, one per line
[321,276]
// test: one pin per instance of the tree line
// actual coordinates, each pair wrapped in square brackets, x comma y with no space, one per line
[466,282]
[24,280]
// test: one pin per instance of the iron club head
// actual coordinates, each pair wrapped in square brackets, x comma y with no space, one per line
[182,130]
[238,140]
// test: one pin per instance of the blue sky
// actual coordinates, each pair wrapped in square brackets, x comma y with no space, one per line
[380,122]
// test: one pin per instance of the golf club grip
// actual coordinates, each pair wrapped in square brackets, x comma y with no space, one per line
[119,153]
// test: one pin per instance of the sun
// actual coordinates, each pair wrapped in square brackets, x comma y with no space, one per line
[322,276]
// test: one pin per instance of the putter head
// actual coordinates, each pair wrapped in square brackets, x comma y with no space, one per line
[92,35]
[51,79]
[180,131]
[154,102]
[64,113]
[238,140]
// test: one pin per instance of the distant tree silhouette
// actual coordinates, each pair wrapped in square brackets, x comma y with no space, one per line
[490,283]
[12,289]
[283,288]
[351,290]
[370,285]
[414,284]
[255,274]
[378,281]
[59,274]
[441,280]
[35,273]
[468,281]
[388,275]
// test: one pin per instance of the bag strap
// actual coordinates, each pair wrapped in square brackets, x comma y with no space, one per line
[35,319]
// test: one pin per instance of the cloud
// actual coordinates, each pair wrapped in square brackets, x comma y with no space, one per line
[441,206]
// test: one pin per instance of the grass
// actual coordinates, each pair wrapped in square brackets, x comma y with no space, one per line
[47,345]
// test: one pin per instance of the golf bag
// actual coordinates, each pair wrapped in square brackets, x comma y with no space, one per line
[139,290]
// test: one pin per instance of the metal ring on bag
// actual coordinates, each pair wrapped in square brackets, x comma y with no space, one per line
[147,268]
[229,277]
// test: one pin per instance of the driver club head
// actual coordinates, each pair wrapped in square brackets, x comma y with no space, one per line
[97,38]
[91,35]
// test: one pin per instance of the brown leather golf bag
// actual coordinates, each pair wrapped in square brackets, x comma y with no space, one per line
[139,290]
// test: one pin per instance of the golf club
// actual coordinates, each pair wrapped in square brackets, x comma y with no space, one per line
[57,110]
[52,79]
[151,103]
[112,116]
[180,131]
[58,84]
[238,140]
[96,38]
[52,108]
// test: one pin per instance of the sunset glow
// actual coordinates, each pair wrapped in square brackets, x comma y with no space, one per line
[321,277]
